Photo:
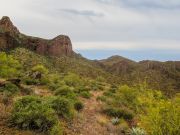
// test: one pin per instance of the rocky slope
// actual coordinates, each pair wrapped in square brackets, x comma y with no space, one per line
[10,38]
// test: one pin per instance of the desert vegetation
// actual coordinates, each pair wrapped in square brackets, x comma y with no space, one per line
[46,99]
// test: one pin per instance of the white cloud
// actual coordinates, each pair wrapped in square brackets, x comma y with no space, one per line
[108,24]
[129,46]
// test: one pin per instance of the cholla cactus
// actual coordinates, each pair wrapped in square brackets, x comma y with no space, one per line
[137,131]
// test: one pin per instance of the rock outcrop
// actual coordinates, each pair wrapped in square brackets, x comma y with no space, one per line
[10,38]
[7,26]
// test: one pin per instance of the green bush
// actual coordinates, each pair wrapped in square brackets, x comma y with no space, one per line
[30,81]
[85,94]
[40,69]
[56,130]
[27,91]
[44,80]
[32,113]
[9,67]
[119,113]
[108,94]
[65,91]
[9,89]
[113,89]
[162,119]
[72,80]
[54,85]
[101,98]
[62,106]
[78,105]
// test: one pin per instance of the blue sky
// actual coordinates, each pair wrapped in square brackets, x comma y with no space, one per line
[137,29]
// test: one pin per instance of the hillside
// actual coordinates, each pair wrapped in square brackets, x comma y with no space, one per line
[158,75]
[116,69]
[48,89]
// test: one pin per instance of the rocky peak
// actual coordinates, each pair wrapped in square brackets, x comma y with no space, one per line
[62,44]
[10,38]
[7,26]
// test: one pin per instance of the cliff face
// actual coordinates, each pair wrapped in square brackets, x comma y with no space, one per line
[10,38]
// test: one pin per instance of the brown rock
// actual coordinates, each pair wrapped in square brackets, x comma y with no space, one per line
[60,45]
[7,26]
[10,37]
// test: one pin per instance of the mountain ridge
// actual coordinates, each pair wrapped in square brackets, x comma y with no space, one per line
[10,38]
[115,69]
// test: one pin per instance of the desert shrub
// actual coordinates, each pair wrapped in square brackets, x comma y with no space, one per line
[78,105]
[40,69]
[56,130]
[44,80]
[27,91]
[62,106]
[123,127]
[119,113]
[5,99]
[95,85]
[108,94]
[80,89]
[115,121]
[85,94]
[66,91]
[9,66]
[31,113]
[31,81]
[55,82]
[72,80]
[162,119]
[9,89]
[137,131]
[53,86]
[127,96]
[113,88]
[101,98]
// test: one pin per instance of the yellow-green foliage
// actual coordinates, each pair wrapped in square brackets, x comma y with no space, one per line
[163,118]
[62,106]
[9,89]
[157,114]
[33,113]
[40,69]
[9,67]
[72,80]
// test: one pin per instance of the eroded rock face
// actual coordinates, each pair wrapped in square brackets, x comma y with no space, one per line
[7,42]
[7,26]
[60,45]
[10,37]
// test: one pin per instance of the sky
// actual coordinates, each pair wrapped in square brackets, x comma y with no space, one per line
[136,29]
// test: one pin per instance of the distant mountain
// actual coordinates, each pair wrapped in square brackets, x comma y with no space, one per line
[158,75]
[58,55]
